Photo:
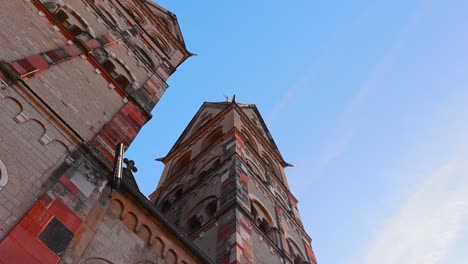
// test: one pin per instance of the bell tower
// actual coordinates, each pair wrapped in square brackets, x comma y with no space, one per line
[224,185]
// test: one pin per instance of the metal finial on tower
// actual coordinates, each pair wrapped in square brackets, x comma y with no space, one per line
[234,98]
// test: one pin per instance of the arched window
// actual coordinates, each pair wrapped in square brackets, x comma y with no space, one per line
[214,136]
[249,140]
[109,16]
[211,208]
[194,223]
[117,72]
[109,66]
[295,252]
[100,55]
[160,42]
[181,162]
[135,14]
[209,167]
[122,81]
[146,58]
[254,168]
[51,6]
[73,23]
[203,120]
[271,165]
[165,206]
[202,213]
[262,219]
[172,196]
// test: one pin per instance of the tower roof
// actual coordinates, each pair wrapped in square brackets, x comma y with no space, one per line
[249,111]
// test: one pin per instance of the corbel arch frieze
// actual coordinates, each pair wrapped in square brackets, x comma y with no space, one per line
[158,245]
[22,114]
[131,220]
[143,227]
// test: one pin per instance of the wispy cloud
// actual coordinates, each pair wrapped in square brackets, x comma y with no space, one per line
[324,61]
[428,223]
[345,123]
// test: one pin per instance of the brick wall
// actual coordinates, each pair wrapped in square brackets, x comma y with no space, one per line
[31,149]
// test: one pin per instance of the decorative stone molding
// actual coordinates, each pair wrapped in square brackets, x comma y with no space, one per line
[3,175]
[144,228]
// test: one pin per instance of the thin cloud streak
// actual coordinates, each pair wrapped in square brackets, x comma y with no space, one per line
[428,222]
[323,62]
[345,127]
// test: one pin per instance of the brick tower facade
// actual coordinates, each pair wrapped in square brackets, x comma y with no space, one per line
[224,185]
[76,78]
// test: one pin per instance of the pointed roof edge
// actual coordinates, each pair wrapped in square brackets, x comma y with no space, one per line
[187,128]
[270,138]
[239,106]
[173,17]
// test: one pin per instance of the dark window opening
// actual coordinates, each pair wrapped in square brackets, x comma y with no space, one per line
[194,223]
[178,194]
[264,226]
[203,174]
[211,208]
[165,206]
[109,66]
[212,138]
[78,31]
[122,81]
[182,162]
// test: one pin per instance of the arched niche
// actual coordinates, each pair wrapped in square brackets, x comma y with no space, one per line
[174,194]
[144,232]
[249,139]
[208,167]
[171,257]
[35,128]
[202,121]
[202,212]
[263,220]
[130,220]
[147,60]
[182,162]
[213,137]
[118,72]
[117,208]
[256,170]
[271,165]
[135,14]
[295,251]
[110,17]
[158,246]
[160,42]
[73,22]
[11,105]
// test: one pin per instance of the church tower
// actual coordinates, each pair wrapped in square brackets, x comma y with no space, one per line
[224,185]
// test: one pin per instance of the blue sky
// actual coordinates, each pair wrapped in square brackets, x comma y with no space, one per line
[368,99]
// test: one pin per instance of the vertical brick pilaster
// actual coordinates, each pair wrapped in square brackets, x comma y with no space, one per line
[122,128]
[234,234]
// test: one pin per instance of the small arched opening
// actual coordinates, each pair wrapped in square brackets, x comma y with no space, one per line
[202,212]
[263,220]
[212,138]
[182,162]
[118,72]
[73,23]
